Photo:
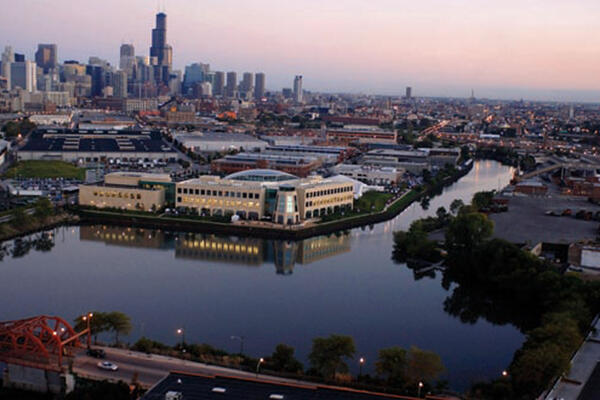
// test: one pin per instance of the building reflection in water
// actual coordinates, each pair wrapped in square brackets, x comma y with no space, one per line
[231,250]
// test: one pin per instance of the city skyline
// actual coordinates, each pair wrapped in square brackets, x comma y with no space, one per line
[533,50]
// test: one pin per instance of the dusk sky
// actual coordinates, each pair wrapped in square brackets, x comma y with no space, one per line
[532,49]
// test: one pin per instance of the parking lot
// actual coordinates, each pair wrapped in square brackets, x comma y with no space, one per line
[527,222]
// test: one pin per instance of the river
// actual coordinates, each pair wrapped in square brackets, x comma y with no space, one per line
[269,292]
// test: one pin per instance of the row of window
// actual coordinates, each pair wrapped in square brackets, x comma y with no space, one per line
[191,200]
[327,192]
[334,200]
[218,193]
[120,195]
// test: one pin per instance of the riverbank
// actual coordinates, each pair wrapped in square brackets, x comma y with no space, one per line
[265,230]
[9,231]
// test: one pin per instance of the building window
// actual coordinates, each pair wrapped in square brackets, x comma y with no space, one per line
[197,192]
[179,199]
[178,190]
[245,195]
[220,193]
[202,192]
[185,191]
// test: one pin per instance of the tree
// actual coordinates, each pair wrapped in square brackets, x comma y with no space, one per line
[327,354]
[442,215]
[119,323]
[423,366]
[283,360]
[467,231]
[43,209]
[20,217]
[391,363]
[456,205]
[482,199]
[98,324]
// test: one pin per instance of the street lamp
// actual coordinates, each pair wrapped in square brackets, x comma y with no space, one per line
[504,373]
[361,361]
[260,361]
[419,391]
[181,332]
[241,339]
[87,319]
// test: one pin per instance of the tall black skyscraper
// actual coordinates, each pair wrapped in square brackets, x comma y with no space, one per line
[161,54]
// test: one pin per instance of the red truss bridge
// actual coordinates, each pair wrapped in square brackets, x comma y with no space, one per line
[41,342]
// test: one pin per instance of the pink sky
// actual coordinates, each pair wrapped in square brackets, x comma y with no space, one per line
[510,48]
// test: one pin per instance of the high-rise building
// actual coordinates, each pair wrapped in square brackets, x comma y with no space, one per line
[408,93]
[247,85]
[98,80]
[298,89]
[219,83]
[127,57]
[19,57]
[23,74]
[46,57]
[259,88]
[8,57]
[194,73]
[120,84]
[231,89]
[161,50]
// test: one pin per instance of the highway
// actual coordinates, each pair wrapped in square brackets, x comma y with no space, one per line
[150,368]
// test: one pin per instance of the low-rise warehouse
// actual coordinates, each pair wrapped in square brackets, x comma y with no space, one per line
[96,145]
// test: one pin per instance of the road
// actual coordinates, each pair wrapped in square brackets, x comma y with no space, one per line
[150,368]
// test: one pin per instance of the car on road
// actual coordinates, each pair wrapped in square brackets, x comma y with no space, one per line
[107,365]
[96,353]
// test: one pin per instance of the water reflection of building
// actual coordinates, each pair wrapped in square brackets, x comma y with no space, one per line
[204,247]
[247,251]
[129,237]
[321,247]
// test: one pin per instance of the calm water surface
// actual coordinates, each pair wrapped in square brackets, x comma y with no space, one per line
[267,291]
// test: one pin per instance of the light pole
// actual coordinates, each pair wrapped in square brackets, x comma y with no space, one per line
[181,332]
[361,361]
[87,319]
[241,339]
[260,361]
[419,391]
[505,374]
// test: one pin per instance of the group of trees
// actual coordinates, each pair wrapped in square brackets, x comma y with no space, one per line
[13,128]
[498,281]
[395,366]
[42,210]
[114,322]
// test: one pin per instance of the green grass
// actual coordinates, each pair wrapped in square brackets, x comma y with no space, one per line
[45,169]
[372,201]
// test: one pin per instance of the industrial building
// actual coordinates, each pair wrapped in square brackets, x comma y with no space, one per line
[256,194]
[327,154]
[126,190]
[413,161]
[218,141]
[96,145]
[297,165]
[361,135]
[371,175]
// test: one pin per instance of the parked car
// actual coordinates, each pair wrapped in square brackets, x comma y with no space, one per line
[96,353]
[107,365]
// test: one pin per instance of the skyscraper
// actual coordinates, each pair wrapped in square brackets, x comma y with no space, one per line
[120,84]
[247,85]
[195,72]
[160,50]
[408,93]
[231,89]
[298,89]
[23,74]
[8,57]
[127,59]
[259,88]
[219,84]
[46,57]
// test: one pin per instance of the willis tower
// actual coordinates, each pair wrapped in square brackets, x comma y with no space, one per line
[161,54]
